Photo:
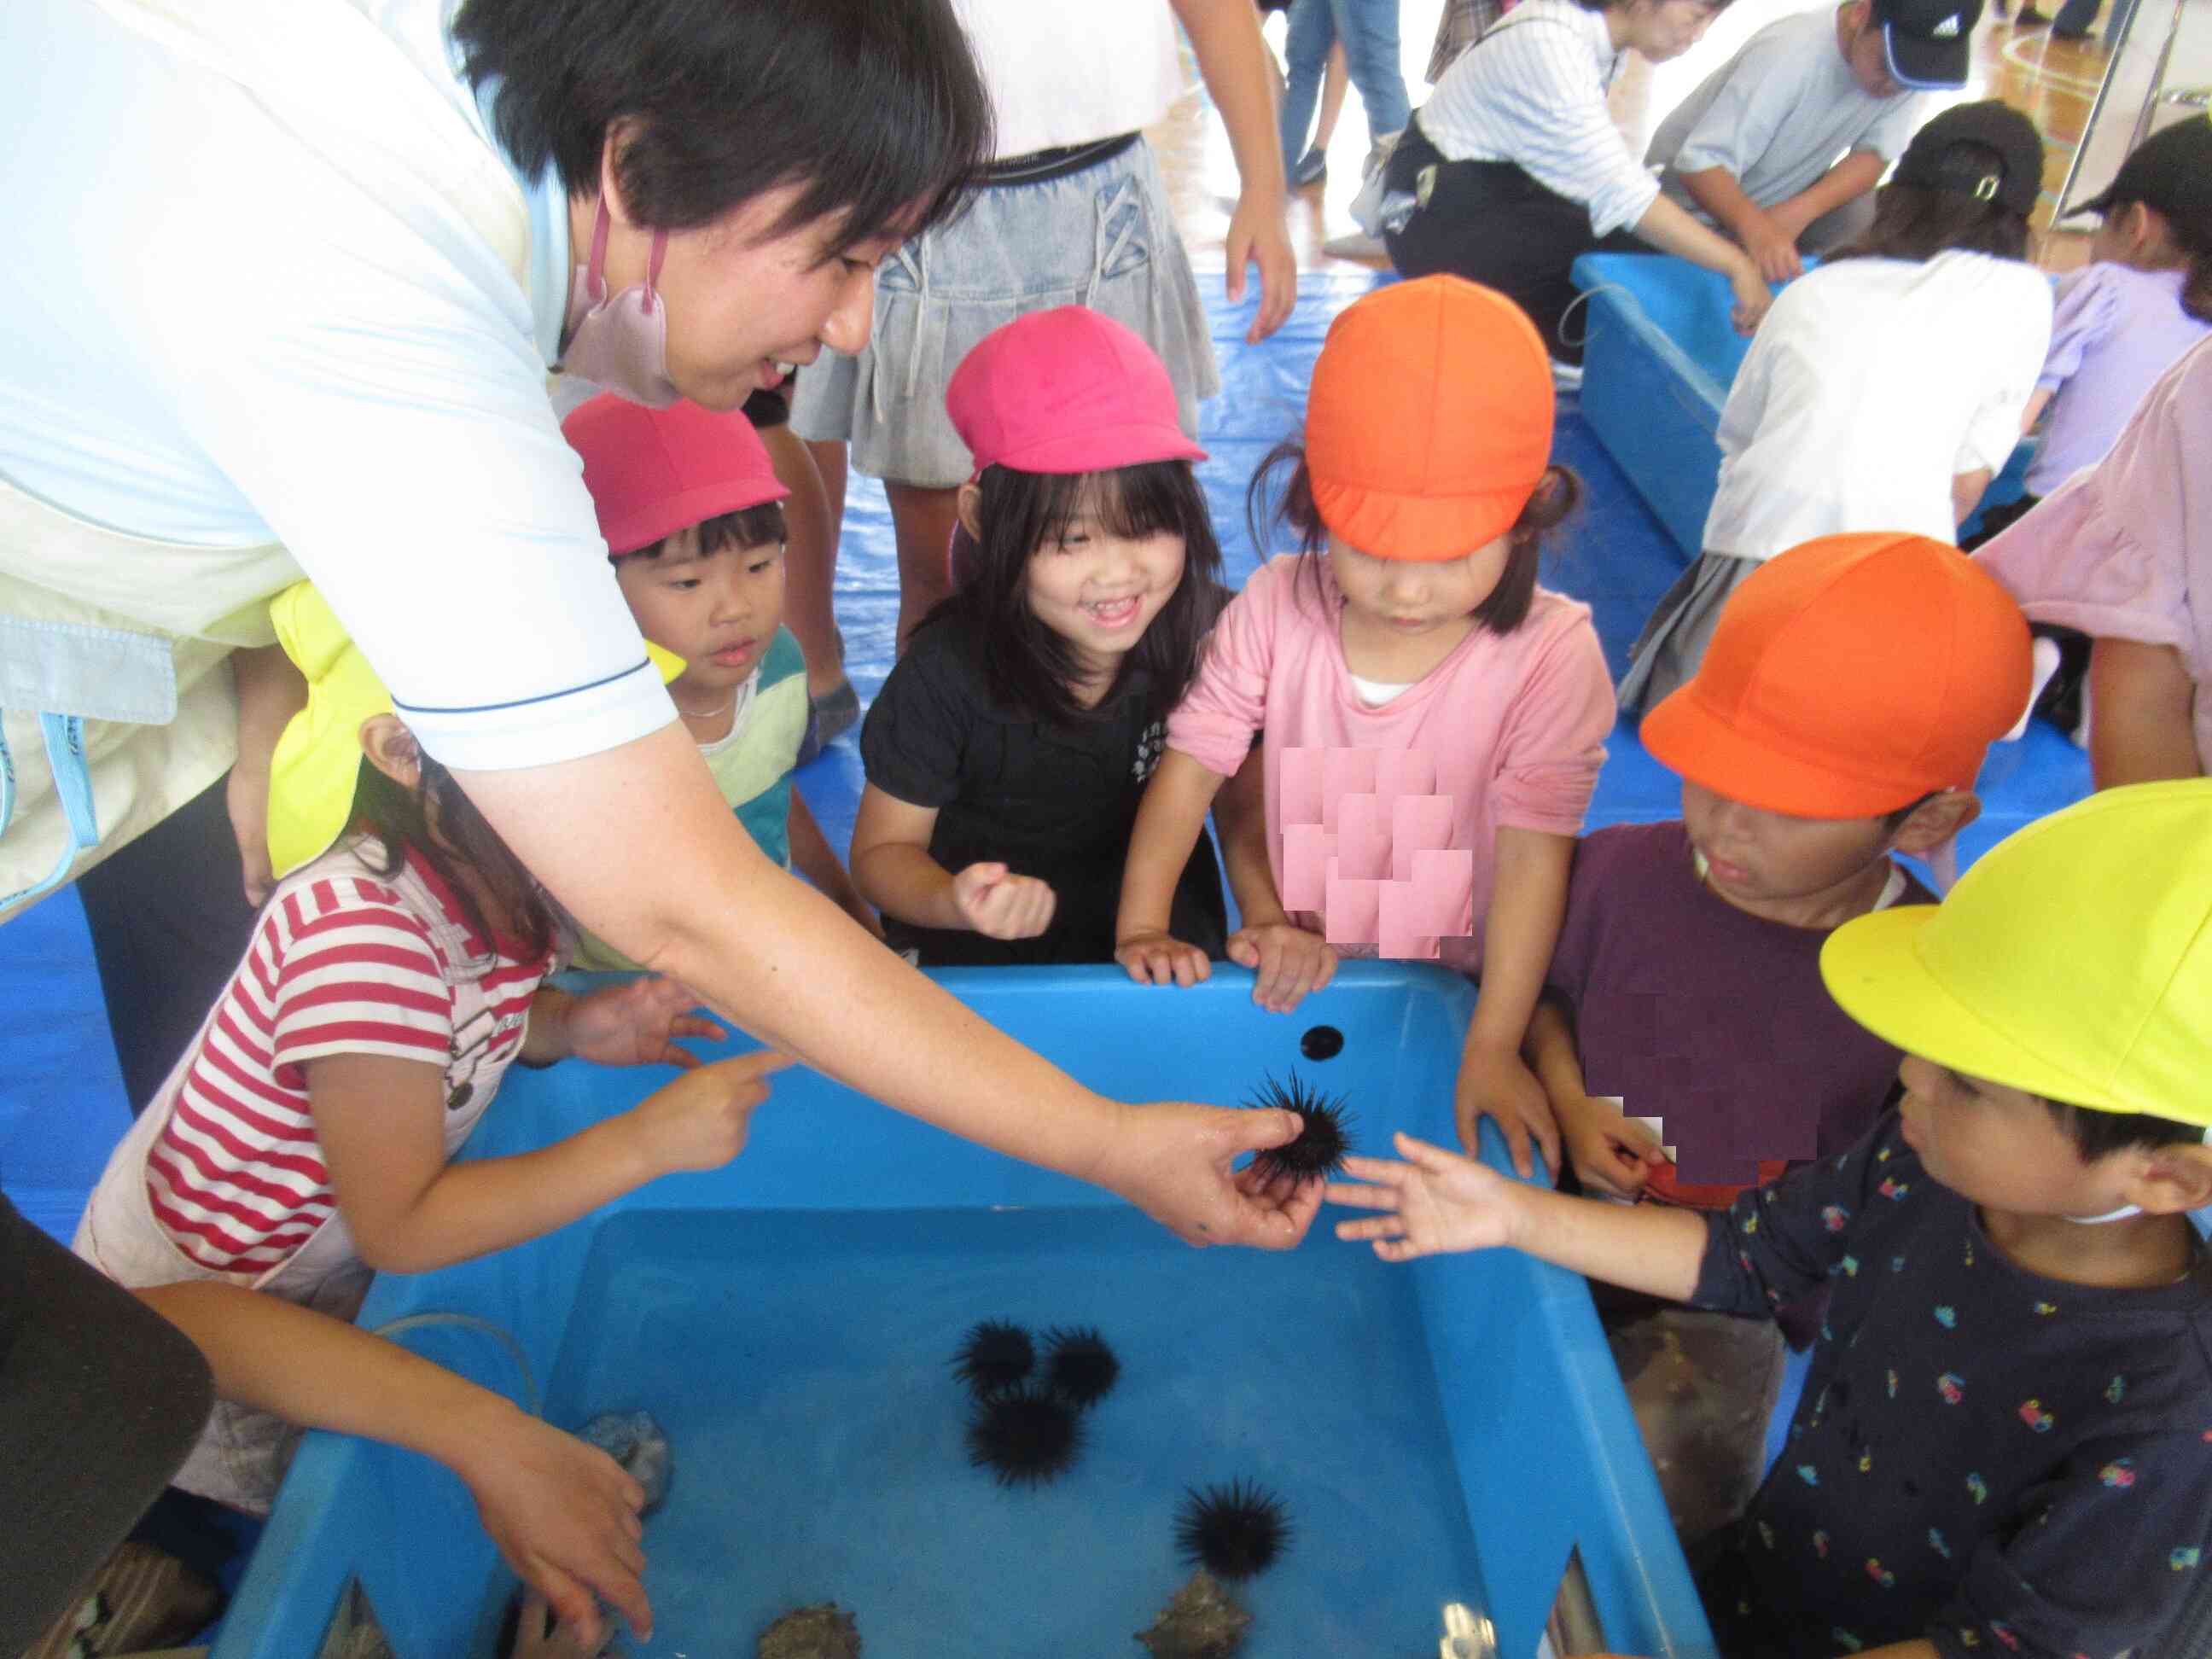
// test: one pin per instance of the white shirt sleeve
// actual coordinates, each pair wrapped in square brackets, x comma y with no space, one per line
[259,346]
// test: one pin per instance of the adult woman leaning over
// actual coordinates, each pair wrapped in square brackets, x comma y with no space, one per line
[286,279]
[1517,168]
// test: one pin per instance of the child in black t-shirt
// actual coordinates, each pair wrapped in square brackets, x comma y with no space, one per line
[1008,750]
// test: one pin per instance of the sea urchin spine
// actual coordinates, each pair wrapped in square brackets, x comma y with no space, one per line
[993,1357]
[1320,1146]
[1233,1531]
[1024,1437]
[1079,1366]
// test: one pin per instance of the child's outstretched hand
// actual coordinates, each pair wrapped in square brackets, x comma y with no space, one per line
[1498,1083]
[637,1023]
[1157,958]
[1611,1152]
[1434,1202]
[1287,961]
[700,1121]
[1000,904]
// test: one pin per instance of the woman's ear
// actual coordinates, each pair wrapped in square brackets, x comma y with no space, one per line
[970,504]
[1934,821]
[392,750]
[620,134]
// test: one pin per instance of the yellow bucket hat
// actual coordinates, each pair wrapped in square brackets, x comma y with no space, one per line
[317,759]
[2074,960]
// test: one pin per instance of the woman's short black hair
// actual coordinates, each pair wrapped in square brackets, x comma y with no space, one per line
[2098,1134]
[1557,495]
[874,108]
[1912,221]
[402,818]
[1024,515]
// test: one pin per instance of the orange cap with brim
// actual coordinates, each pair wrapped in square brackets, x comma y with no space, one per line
[1849,677]
[1429,424]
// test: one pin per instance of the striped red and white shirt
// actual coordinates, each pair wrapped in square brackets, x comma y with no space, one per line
[341,963]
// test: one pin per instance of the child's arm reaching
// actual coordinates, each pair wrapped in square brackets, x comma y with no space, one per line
[1287,961]
[1611,1152]
[1437,1201]
[1530,899]
[562,1513]
[380,1123]
[813,857]
[1169,820]
[893,871]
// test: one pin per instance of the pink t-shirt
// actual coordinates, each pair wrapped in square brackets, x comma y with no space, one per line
[2124,550]
[1383,822]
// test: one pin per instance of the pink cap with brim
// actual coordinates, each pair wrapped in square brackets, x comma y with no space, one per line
[654,471]
[1067,390]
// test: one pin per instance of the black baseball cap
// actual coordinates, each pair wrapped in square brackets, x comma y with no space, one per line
[2170,171]
[1927,41]
[1933,161]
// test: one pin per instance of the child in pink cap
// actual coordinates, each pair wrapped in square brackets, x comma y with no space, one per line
[1006,753]
[689,506]
[1431,721]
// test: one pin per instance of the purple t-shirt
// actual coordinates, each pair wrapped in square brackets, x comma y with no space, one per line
[2116,329]
[1712,1020]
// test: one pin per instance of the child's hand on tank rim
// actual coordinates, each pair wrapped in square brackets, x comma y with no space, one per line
[1155,956]
[1288,962]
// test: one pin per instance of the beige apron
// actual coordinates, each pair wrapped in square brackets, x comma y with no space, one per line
[115,706]
[241,1455]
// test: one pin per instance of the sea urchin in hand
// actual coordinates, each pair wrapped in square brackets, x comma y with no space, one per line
[1079,1366]
[1233,1531]
[993,1357]
[1320,1146]
[1025,1437]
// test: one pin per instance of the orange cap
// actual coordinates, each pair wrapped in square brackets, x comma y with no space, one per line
[1849,677]
[1429,424]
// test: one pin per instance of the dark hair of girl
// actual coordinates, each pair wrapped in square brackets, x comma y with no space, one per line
[1912,221]
[875,111]
[2194,243]
[748,526]
[1558,493]
[1029,514]
[401,817]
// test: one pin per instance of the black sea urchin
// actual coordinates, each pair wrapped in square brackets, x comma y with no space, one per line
[1233,1531]
[1079,1366]
[993,1357]
[1320,1147]
[1024,1437]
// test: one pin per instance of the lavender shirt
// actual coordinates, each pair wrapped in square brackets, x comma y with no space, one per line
[2116,331]
[2124,550]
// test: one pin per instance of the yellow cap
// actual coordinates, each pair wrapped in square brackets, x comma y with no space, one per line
[2073,961]
[318,760]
